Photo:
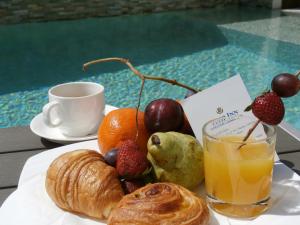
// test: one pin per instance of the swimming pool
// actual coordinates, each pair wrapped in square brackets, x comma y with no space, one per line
[199,48]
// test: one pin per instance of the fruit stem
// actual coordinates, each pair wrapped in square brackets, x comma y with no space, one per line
[155,140]
[143,77]
[250,131]
[137,110]
[138,73]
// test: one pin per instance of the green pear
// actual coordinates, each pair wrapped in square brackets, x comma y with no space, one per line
[176,158]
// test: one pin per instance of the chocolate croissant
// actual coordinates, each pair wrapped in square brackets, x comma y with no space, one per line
[81,182]
[160,203]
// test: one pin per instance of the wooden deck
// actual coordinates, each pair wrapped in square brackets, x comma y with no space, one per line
[19,143]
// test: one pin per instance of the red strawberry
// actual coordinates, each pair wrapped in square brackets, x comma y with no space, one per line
[131,161]
[132,185]
[268,108]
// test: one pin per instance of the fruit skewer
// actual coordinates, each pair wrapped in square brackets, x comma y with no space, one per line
[268,107]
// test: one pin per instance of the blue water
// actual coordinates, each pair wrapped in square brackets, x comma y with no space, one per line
[180,45]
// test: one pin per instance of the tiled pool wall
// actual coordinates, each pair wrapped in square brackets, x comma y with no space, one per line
[18,11]
[228,53]
[259,3]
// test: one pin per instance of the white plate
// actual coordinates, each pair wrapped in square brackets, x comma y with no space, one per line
[30,204]
[38,127]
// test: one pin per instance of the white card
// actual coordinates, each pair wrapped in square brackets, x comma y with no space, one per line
[226,97]
[223,99]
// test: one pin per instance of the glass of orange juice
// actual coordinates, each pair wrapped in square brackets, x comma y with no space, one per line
[238,174]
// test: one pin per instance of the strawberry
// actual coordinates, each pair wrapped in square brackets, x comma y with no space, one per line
[268,108]
[131,161]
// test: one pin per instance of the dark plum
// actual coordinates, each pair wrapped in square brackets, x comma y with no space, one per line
[285,85]
[163,115]
[111,157]
[186,128]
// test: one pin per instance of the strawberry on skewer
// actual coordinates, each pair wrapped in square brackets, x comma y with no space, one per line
[268,107]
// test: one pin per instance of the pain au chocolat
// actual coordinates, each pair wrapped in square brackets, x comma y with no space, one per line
[160,204]
[81,182]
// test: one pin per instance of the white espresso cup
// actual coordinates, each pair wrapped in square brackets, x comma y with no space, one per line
[75,108]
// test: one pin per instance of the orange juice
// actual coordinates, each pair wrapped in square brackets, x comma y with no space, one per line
[238,179]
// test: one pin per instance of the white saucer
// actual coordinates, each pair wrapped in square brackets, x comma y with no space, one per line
[38,127]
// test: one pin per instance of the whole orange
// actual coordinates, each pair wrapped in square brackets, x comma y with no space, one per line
[120,125]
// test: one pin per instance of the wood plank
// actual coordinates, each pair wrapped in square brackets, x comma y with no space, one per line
[11,165]
[286,142]
[4,193]
[20,139]
[292,160]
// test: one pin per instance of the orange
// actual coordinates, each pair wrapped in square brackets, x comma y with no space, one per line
[120,125]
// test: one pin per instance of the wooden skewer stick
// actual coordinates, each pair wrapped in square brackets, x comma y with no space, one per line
[249,133]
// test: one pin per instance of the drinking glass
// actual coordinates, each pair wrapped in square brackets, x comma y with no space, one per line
[238,174]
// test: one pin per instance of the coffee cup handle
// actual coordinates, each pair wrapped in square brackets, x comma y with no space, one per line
[48,120]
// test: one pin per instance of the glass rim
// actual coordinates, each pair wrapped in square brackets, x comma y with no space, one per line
[251,141]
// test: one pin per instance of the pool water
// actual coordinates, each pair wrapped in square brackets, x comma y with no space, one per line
[198,48]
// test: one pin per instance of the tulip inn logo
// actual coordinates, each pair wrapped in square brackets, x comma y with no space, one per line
[219,110]
[226,118]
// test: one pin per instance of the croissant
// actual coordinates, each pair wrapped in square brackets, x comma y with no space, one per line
[160,203]
[81,182]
